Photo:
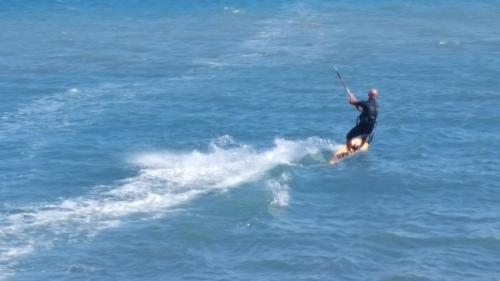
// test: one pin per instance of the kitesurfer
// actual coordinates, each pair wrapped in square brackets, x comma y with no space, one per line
[366,120]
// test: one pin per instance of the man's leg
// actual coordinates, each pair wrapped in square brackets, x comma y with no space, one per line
[365,133]
[363,141]
[349,145]
[354,132]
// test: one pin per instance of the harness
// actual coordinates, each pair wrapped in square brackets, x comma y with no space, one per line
[370,136]
[369,120]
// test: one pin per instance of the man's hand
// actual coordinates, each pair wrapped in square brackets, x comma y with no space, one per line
[352,98]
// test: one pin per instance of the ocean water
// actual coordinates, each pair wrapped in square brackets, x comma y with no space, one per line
[189,140]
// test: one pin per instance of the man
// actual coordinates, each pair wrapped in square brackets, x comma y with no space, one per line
[366,120]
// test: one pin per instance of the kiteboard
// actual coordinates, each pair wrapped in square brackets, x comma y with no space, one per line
[342,153]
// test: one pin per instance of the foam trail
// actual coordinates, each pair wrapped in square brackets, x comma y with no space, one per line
[165,180]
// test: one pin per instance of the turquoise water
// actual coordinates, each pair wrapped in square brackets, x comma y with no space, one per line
[189,140]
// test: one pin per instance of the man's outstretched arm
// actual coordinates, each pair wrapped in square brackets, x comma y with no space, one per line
[352,99]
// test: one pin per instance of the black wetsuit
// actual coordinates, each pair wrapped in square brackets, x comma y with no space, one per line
[366,120]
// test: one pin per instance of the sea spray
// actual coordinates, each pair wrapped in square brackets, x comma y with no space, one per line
[280,190]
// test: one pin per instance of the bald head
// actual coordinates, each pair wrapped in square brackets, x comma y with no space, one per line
[373,93]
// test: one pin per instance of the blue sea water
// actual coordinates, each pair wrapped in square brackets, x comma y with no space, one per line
[189,140]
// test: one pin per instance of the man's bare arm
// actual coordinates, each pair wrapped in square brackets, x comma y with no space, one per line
[352,99]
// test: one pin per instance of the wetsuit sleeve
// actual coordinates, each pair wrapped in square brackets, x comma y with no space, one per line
[360,105]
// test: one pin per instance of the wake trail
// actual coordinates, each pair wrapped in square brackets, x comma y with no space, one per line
[164,180]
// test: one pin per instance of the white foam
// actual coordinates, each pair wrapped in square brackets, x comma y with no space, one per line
[232,9]
[73,91]
[12,252]
[449,43]
[31,123]
[165,179]
[280,189]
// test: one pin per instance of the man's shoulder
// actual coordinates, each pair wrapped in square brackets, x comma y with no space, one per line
[362,102]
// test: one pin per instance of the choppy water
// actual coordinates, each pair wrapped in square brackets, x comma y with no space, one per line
[169,140]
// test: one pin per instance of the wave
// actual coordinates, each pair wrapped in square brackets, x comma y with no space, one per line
[165,179]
